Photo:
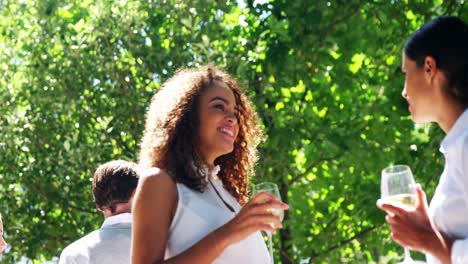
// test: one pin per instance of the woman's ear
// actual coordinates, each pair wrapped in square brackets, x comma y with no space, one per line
[430,68]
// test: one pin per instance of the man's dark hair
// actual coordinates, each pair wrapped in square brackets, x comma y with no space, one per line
[113,183]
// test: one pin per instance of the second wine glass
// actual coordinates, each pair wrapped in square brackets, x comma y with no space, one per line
[272,189]
[398,189]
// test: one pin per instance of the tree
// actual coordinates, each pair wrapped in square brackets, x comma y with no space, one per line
[324,76]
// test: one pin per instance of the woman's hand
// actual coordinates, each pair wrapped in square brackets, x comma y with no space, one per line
[254,216]
[413,228]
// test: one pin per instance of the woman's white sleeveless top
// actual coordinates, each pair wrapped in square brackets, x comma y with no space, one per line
[198,214]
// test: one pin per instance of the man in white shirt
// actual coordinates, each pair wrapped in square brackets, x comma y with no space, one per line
[114,185]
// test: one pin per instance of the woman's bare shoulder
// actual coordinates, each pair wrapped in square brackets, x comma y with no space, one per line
[155,174]
[156,179]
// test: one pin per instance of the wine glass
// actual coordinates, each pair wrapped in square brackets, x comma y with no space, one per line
[272,189]
[398,189]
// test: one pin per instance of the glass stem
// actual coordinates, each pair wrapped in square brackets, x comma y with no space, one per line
[270,246]
[407,255]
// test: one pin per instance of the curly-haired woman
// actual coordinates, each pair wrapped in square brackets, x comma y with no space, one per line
[200,141]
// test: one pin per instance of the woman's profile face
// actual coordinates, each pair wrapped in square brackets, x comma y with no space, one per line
[421,96]
[3,244]
[218,128]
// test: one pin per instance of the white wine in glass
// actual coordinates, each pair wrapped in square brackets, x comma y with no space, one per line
[398,188]
[272,189]
[407,201]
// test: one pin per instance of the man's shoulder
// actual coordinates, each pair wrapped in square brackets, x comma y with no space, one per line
[122,230]
[100,237]
[102,244]
[77,252]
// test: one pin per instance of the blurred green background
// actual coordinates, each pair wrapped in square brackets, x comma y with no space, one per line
[325,77]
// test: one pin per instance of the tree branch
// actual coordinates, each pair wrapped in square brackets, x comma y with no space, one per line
[312,166]
[344,18]
[341,243]
[285,254]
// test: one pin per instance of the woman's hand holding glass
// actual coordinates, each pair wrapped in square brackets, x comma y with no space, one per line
[406,205]
[407,223]
[271,188]
[255,216]
[412,227]
[397,190]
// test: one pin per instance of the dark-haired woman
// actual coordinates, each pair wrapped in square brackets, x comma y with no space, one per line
[200,141]
[435,62]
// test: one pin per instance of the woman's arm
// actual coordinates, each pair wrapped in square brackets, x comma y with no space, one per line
[154,205]
[153,208]
[413,229]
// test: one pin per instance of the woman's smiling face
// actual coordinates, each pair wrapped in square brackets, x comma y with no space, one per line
[219,126]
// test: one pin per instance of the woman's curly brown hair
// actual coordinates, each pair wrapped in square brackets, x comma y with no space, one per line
[171,132]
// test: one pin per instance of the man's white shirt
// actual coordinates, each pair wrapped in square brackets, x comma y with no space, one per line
[109,244]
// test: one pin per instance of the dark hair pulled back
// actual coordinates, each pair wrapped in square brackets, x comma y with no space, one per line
[445,39]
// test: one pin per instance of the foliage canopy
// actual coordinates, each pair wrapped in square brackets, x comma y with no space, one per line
[77,77]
